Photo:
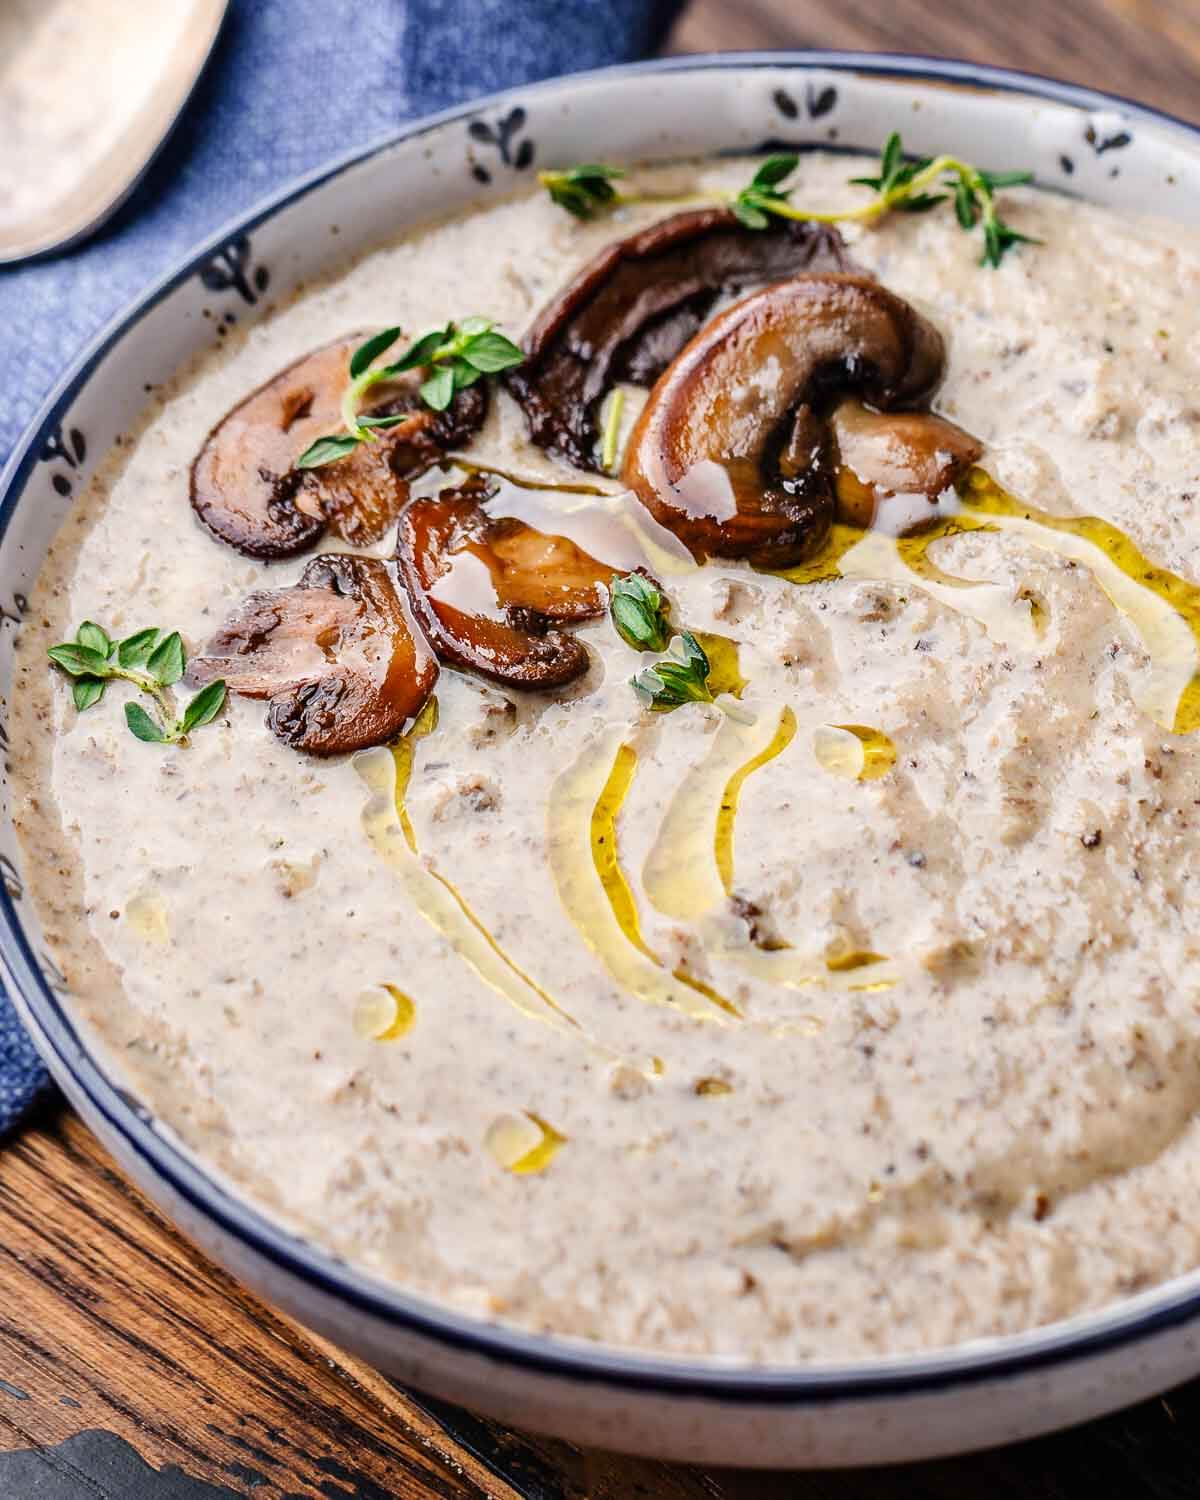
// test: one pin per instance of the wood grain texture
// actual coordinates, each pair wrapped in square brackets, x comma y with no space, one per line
[110,1322]
[131,1369]
[1147,50]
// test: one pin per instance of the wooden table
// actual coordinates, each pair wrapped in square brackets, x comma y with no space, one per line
[131,1369]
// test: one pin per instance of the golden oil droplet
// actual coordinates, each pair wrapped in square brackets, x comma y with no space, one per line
[146,914]
[523,1144]
[712,1087]
[855,751]
[383,1013]
[724,664]
[874,1193]
[838,751]
[842,956]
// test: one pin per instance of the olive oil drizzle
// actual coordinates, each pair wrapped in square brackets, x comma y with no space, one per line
[607,861]
[785,733]
[1162,607]
[611,525]
[585,860]
[781,965]
[386,772]
[679,876]
[689,871]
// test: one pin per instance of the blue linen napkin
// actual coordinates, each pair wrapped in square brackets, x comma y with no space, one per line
[291,83]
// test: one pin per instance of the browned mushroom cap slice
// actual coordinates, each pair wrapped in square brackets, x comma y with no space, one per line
[882,454]
[338,655]
[630,311]
[485,589]
[247,492]
[733,452]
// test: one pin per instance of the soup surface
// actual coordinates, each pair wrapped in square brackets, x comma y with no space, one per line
[859,1018]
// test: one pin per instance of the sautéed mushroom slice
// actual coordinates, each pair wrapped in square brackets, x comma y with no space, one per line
[246,489]
[630,311]
[488,589]
[734,451]
[881,455]
[337,656]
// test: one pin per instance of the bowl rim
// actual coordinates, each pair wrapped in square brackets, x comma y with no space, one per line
[1128,1322]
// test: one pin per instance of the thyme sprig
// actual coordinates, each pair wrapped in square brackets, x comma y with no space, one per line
[451,358]
[153,663]
[639,613]
[900,185]
[680,677]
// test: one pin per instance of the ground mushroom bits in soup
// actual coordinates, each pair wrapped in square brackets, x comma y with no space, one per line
[715,868]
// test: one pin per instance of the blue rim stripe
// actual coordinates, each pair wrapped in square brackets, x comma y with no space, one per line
[616,1368]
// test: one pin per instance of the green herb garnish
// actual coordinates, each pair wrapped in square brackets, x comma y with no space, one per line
[681,677]
[451,358]
[762,196]
[639,613]
[150,660]
[900,186]
[585,190]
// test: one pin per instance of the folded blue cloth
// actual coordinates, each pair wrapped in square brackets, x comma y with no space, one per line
[292,83]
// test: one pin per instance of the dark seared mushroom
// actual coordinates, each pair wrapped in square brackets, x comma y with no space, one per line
[247,492]
[629,312]
[733,451]
[486,589]
[881,454]
[338,655]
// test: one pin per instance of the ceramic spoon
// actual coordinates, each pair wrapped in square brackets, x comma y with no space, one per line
[61,179]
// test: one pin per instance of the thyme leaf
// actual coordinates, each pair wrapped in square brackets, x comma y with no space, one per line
[583,190]
[680,677]
[639,613]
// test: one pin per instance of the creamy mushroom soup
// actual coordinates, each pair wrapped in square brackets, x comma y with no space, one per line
[835,991]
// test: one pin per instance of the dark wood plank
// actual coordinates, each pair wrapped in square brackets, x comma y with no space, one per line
[112,1325]
[1144,49]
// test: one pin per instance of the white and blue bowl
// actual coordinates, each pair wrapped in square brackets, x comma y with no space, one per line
[857,1412]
